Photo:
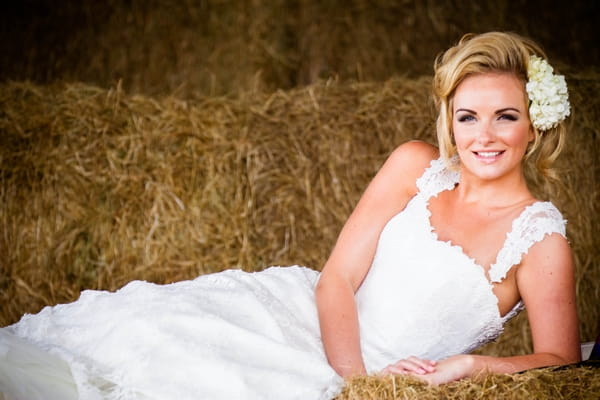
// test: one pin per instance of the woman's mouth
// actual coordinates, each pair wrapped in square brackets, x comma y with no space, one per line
[488,155]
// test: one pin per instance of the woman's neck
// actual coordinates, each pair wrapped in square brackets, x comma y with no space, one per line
[501,192]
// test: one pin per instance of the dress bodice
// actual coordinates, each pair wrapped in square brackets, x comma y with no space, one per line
[426,297]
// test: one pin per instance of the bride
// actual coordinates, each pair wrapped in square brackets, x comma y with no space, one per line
[445,246]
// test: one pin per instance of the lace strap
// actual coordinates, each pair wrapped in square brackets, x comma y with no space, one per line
[437,178]
[531,226]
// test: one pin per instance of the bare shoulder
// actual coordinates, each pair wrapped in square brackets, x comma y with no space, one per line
[547,270]
[416,151]
[409,160]
[553,252]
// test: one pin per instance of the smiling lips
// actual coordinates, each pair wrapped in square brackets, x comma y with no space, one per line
[488,155]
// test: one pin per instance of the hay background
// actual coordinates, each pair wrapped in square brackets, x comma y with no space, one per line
[160,140]
[215,47]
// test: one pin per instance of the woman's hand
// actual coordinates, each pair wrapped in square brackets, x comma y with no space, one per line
[410,366]
[432,372]
[449,369]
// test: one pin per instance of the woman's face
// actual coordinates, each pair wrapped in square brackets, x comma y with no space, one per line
[491,124]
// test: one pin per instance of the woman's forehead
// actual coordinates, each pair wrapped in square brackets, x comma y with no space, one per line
[490,88]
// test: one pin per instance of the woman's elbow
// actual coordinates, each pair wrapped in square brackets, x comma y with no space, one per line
[332,286]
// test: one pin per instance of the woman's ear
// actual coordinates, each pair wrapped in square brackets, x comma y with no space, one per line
[532,133]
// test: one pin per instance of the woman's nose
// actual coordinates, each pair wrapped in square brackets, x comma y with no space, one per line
[486,134]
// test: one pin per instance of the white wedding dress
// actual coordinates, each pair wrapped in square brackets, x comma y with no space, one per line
[238,335]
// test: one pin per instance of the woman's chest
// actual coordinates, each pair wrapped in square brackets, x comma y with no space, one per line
[479,231]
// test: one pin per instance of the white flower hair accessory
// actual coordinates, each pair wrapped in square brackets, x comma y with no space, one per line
[548,95]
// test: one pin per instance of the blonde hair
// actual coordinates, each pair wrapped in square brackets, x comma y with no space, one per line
[484,53]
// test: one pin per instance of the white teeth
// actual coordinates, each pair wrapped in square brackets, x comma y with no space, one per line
[488,153]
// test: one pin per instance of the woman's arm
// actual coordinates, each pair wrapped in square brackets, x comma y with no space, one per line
[546,283]
[351,258]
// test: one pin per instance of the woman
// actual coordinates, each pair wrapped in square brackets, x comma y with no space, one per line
[442,249]
[473,204]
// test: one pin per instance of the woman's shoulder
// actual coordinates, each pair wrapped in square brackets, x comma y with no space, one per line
[407,163]
[537,222]
[422,166]
[540,218]
[416,151]
[413,158]
[538,231]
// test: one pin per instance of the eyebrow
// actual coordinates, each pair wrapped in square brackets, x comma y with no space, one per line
[500,111]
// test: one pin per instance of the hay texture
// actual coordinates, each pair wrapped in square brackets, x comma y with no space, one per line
[214,47]
[98,187]
[539,384]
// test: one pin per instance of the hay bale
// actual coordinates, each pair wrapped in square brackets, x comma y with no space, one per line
[539,384]
[214,47]
[98,187]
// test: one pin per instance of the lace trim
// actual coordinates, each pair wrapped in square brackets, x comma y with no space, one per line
[513,312]
[531,226]
[437,178]
[535,222]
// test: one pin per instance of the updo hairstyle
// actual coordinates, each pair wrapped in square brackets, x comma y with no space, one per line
[490,52]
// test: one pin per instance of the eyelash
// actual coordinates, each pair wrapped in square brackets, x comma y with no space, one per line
[510,117]
[464,118]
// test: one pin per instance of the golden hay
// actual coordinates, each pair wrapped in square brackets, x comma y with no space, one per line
[98,188]
[213,47]
[538,384]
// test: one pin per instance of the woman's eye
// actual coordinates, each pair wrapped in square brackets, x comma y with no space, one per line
[466,118]
[509,117]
